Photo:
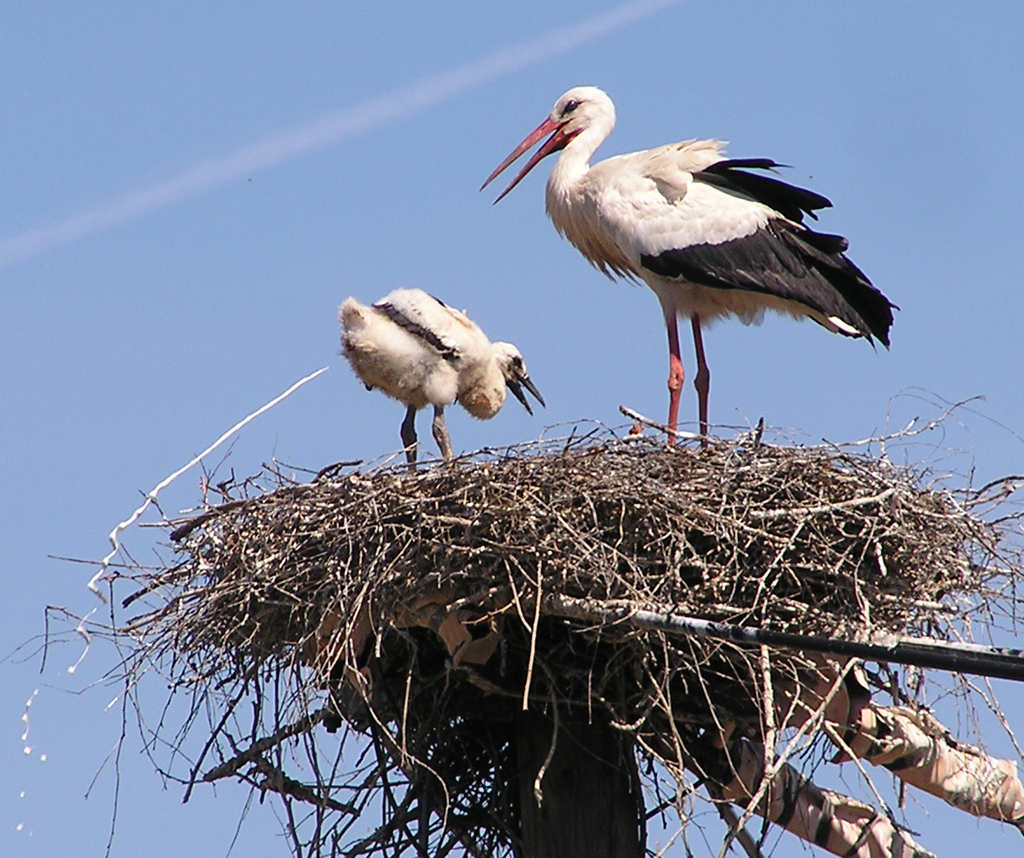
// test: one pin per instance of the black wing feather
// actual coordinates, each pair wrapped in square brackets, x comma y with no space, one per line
[788,200]
[748,164]
[790,263]
[824,254]
[449,353]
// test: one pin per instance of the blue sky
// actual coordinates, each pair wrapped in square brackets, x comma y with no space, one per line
[126,349]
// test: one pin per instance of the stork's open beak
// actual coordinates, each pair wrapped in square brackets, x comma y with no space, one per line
[516,385]
[556,142]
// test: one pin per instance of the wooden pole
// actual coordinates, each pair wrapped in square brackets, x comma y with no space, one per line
[579,798]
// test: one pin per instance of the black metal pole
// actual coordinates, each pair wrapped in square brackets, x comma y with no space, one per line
[976,659]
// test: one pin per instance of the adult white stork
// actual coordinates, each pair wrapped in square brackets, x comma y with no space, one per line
[710,238]
[418,350]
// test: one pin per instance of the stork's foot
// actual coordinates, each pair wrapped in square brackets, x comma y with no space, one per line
[441,436]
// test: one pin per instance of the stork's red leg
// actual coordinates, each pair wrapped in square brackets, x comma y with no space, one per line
[675,373]
[702,381]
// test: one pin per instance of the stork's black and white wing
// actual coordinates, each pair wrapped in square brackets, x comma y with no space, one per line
[718,225]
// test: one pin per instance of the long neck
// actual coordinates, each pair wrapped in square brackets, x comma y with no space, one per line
[574,162]
[567,207]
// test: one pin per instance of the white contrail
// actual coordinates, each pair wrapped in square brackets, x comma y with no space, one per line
[325,132]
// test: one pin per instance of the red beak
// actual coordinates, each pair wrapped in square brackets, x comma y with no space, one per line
[556,142]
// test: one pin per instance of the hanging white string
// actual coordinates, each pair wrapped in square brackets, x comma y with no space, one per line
[115,544]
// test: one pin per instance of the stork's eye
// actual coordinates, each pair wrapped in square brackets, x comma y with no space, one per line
[517,362]
[570,106]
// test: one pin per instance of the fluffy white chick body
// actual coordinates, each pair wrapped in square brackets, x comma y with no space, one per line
[420,351]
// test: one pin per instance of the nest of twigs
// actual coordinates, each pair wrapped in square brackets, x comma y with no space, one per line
[405,606]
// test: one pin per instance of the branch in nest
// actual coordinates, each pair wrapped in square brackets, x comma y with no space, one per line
[277,781]
[257,749]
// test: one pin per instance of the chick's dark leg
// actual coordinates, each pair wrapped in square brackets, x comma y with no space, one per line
[409,435]
[444,441]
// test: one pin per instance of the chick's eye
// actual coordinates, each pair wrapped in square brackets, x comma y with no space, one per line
[570,106]
[517,362]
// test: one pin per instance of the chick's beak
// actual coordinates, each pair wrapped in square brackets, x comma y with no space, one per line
[516,385]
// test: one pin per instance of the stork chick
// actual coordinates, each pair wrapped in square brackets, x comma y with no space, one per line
[418,350]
